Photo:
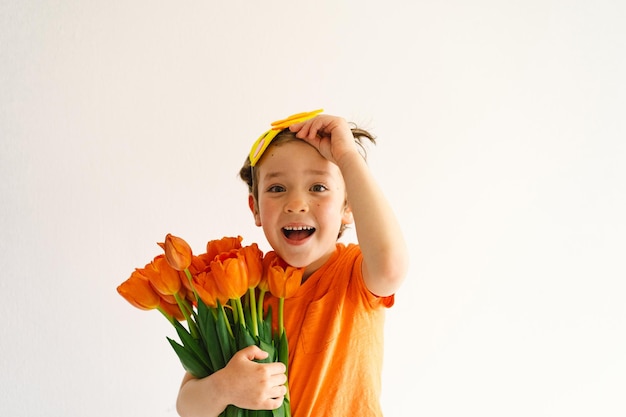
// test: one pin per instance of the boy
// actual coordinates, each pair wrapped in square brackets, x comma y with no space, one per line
[307,182]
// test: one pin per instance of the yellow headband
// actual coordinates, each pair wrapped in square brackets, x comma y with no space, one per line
[261,144]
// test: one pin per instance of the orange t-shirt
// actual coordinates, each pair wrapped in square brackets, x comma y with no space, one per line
[334,328]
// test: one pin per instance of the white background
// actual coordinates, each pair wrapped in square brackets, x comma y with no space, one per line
[502,147]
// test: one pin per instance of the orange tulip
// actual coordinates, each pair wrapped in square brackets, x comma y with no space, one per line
[263,284]
[165,279]
[177,252]
[231,274]
[185,284]
[283,279]
[206,287]
[138,292]
[172,310]
[216,247]
[199,263]
[254,264]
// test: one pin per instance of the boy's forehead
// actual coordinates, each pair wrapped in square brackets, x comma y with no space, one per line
[290,148]
[295,156]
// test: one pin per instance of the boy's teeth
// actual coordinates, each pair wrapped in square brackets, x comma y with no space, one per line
[296,233]
[298,228]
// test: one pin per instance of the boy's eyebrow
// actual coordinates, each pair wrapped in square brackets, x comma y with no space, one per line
[277,174]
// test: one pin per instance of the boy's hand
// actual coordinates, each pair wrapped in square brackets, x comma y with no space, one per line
[330,135]
[252,385]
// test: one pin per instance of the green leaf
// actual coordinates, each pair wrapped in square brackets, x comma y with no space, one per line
[192,344]
[207,325]
[244,338]
[280,411]
[270,349]
[205,316]
[265,326]
[225,339]
[287,407]
[189,360]
[232,411]
[283,349]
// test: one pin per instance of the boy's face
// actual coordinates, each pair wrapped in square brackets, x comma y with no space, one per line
[301,204]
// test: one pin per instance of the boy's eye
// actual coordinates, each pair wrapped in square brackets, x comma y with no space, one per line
[319,187]
[276,189]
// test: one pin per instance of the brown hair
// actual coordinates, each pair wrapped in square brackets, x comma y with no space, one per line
[248,175]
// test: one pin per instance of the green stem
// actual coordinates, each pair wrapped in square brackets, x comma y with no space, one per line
[242,318]
[255,324]
[260,305]
[185,308]
[190,279]
[195,293]
[235,310]
[281,319]
[287,396]
[185,304]
[167,316]
[230,330]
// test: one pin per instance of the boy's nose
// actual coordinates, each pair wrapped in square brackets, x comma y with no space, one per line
[296,205]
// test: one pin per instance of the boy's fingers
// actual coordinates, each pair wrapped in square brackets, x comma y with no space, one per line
[296,126]
[253,352]
[301,129]
[273,403]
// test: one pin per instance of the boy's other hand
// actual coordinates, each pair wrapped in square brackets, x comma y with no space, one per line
[252,385]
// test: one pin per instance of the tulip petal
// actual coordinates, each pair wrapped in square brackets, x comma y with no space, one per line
[139,293]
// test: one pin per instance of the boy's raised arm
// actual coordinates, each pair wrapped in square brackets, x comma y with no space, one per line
[385,256]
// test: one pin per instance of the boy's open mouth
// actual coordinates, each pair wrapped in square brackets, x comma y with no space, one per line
[298,232]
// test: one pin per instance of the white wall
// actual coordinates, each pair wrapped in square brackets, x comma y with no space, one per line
[501,145]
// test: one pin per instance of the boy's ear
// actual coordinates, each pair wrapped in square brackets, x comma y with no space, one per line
[254,209]
[347,217]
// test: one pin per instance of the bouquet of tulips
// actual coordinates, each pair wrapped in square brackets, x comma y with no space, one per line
[220,295]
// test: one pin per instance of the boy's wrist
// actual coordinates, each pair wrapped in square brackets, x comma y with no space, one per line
[220,389]
[349,160]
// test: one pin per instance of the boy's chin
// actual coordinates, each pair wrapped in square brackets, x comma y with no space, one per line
[306,261]
[295,261]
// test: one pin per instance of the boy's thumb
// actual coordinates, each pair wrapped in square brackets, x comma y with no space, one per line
[254,352]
